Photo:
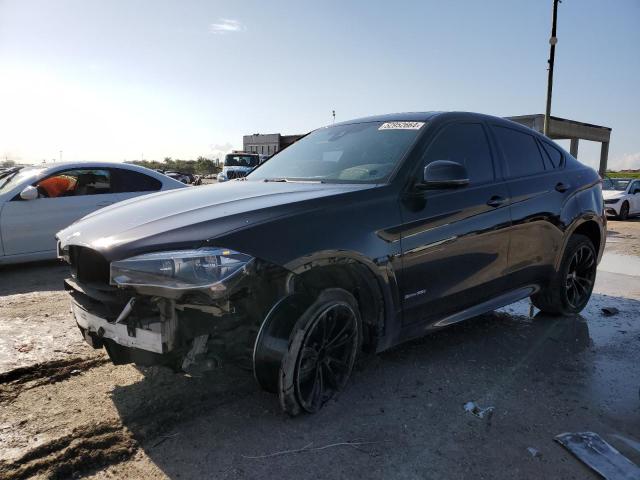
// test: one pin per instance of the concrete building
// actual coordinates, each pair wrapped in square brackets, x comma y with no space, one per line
[563,129]
[267,144]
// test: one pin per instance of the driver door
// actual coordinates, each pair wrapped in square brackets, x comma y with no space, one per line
[29,226]
[455,241]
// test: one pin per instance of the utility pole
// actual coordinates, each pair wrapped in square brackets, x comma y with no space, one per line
[552,55]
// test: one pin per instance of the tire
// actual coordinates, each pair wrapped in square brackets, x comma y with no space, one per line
[323,347]
[569,290]
[624,211]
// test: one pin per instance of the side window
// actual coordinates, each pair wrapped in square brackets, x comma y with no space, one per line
[465,143]
[125,181]
[635,188]
[553,155]
[521,152]
[73,183]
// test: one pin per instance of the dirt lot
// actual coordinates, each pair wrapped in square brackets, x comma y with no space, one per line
[66,411]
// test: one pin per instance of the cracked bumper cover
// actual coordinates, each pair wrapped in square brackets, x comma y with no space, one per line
[96,329]
[162,330]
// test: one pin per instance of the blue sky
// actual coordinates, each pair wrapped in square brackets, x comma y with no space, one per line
[115,80]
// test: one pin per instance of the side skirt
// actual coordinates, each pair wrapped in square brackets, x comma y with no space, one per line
[416,331]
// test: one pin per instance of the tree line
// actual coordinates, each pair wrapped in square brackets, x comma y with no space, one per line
[200,166]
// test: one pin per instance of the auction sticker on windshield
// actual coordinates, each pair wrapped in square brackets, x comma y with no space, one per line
[401,126]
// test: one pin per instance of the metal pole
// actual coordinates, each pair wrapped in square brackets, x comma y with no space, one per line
[552,55]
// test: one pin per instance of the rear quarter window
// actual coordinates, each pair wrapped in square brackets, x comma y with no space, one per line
[124,181]
[554,156]
[521,152]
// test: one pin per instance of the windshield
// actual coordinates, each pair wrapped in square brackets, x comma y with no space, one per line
[354,153]
[8,180]
[233,160]
[619,184]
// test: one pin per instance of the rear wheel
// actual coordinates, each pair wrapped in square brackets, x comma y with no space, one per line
[323,347]
[624,211]
[571,287]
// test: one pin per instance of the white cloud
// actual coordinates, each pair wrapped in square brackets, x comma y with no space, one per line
[226,25]
[220,150]
[629,161]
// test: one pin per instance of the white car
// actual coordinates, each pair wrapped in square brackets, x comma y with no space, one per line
[37,202]
[621,197]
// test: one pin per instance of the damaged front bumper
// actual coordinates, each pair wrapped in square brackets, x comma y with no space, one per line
[96,330]
[137,325]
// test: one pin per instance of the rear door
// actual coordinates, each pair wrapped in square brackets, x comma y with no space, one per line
[454,241]
[29,226]
[538,187]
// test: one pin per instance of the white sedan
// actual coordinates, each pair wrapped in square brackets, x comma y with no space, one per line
[621,197]
[36,202]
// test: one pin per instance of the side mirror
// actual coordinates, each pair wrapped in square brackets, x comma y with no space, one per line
[29,193]
[444,174]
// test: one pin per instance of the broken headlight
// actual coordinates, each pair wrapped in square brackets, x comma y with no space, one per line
[180,269]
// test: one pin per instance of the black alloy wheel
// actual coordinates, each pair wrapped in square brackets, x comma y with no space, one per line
[569,289]
[580,277]
[323,347]
[327,355]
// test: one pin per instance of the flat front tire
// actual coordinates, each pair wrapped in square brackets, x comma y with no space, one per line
[569,290]
[323,347]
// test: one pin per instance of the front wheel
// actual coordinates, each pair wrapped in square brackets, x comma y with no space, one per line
[570,289]
[624,211]
[323,347]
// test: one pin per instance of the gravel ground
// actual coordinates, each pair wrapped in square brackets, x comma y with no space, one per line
[66,411]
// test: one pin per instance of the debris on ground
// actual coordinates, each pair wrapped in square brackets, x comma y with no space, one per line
[24,348]
[628,441]
[535,453]
[310,448]
[601,457]
[609,311]
[472,407]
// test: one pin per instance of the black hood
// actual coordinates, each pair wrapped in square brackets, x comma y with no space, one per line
[186,218]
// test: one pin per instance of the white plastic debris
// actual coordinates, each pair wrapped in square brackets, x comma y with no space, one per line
[472,407]
[534,452]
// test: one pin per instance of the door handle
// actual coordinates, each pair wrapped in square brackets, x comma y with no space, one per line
[562,187]
[496,201]
[105,204]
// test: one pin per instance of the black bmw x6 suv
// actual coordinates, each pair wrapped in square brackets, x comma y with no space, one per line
[358,237]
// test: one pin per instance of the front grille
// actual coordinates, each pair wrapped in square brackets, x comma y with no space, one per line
[88,266]
[235,174]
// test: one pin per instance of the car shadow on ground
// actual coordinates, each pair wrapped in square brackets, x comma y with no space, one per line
[405,406]
[44,276]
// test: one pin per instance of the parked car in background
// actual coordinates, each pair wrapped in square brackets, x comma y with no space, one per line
[238,165]
[180,177]
[360,236]
[37,201]
[621,197]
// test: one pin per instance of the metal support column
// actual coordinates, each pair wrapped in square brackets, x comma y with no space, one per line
[573,149]
[604,156]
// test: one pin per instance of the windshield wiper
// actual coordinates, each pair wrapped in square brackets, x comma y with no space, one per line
[290,180]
